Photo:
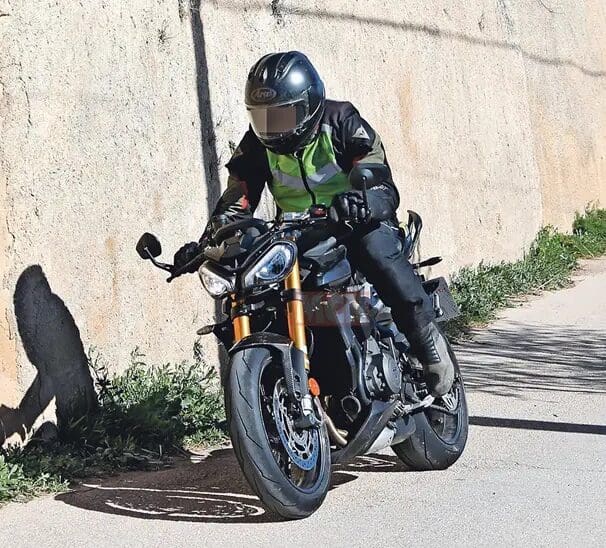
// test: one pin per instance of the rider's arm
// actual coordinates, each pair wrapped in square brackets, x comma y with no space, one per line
[360,143]
[248,173]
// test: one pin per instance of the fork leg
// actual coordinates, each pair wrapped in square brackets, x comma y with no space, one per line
[294,311]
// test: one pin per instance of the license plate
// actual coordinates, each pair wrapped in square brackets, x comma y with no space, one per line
[444,305]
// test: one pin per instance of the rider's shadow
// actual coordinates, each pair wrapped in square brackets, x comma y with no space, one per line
[213,490]
[52,343]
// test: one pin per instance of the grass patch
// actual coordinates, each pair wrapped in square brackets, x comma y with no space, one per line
[144,416]
[483,290]
[16,484]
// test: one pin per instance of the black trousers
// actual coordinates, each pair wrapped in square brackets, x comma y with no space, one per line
[377,251]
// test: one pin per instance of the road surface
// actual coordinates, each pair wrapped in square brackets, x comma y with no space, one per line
[534,471]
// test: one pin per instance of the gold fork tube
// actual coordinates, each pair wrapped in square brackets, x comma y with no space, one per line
[294,312]
[241,325]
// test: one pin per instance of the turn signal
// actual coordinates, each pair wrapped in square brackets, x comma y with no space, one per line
[314,387]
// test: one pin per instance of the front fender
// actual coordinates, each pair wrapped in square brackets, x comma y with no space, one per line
[284,352]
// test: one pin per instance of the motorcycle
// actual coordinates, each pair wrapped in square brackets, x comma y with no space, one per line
[318,373]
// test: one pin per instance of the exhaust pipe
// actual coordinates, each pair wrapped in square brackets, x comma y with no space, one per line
[333,432]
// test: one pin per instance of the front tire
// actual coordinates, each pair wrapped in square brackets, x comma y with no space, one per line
[440,437]
[292,482]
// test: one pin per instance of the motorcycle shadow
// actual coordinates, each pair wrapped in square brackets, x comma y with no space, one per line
[212,490]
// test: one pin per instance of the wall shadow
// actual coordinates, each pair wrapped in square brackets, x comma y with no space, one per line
[51,340]
[208,138]
[213,490]
[546,426]
[280,11]
[521,358]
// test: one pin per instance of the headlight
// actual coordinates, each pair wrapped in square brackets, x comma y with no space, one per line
[214,282]
[273,266]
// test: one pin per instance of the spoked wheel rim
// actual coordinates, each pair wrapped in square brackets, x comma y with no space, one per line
[297,452]
[445,416]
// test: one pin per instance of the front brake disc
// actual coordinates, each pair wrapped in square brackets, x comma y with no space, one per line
[301,445]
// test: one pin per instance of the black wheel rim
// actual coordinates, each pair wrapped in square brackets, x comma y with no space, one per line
[445,416]
[447,424]
[298,454]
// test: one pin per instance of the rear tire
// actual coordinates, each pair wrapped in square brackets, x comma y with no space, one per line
[430,449]
[259,449]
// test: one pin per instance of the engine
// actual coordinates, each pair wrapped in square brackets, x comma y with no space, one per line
[382,373]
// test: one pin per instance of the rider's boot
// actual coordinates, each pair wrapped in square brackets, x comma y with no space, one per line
[430,347]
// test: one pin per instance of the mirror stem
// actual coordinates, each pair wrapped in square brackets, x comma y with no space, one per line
[163,266]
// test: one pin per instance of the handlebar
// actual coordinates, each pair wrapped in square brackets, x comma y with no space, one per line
[198,259]
[312,214]
[315,213]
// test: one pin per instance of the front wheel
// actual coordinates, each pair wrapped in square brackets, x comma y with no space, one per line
[288,468]
[441,430]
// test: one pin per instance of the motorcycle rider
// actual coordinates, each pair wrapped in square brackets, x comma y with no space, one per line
[303,146]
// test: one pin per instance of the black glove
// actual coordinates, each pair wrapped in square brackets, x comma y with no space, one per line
[349,206]
[187,253]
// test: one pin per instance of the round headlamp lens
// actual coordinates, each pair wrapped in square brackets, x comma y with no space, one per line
[272,267]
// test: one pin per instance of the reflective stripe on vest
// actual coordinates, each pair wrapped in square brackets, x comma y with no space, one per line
[324,176]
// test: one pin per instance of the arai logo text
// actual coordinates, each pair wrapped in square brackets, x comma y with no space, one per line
[263,94]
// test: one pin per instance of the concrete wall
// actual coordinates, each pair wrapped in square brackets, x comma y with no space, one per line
[114,118]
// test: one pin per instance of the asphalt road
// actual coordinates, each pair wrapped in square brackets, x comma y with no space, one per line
[534,471]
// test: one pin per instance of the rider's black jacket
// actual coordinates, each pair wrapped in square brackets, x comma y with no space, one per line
[354,141]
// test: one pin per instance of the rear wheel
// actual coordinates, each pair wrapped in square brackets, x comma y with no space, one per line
[441,430]
[288,468]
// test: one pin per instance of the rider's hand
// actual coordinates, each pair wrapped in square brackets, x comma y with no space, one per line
[187,253]
[348,206]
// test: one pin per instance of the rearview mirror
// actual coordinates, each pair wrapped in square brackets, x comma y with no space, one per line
[148,245]
[364,176]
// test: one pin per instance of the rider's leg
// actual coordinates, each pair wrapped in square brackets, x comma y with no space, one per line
[377,252]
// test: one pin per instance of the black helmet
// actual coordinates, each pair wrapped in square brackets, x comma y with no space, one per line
[285,101]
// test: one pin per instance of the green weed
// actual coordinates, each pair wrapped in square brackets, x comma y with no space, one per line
[483,290]
[16,484]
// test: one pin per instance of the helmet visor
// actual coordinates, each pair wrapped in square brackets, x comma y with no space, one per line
[278,120]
